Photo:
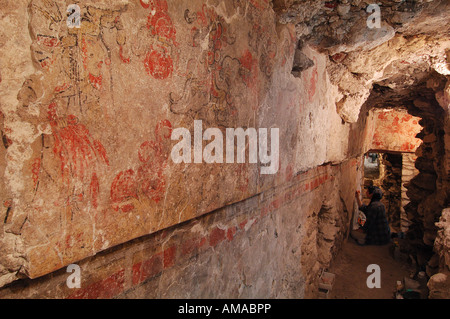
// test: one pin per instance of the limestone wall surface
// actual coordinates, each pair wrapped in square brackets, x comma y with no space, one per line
[87,116]
[273,245]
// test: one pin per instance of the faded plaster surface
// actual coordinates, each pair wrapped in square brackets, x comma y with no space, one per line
[395,131]
[292,230]
[88,113]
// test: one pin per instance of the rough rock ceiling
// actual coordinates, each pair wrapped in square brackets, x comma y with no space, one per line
[403,60]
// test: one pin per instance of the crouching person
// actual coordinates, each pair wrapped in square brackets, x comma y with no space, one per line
[375,230]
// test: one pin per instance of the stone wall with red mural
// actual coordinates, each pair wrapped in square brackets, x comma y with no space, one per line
[395,131]
[292,230]
[87,116]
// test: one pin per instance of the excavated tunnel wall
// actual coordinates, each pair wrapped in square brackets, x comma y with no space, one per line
[88,178]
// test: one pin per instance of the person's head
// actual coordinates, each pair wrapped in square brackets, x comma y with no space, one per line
[374,193]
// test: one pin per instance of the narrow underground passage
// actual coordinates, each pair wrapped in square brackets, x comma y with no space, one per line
[351,268]
[410,197]
[87,116]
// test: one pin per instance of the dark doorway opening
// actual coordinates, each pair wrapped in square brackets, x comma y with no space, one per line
[384,170]
[372,166]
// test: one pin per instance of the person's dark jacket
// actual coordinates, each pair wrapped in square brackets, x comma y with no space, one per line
[376,226]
